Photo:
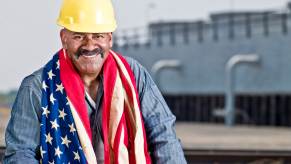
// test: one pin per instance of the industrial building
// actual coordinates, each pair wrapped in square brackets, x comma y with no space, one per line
[236,65]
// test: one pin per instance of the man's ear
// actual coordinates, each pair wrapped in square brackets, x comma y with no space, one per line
[111,39]
[63,37]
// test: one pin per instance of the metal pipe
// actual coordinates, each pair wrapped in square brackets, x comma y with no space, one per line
[229,83]
[164,64]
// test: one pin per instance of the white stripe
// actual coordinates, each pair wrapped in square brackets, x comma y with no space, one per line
[122,153]
[116,110]
[83,136]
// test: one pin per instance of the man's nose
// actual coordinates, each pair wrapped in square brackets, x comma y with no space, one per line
[89,43]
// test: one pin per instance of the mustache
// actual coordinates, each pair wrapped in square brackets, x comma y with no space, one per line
[82,51]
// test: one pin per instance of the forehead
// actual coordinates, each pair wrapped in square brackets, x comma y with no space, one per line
[84,33]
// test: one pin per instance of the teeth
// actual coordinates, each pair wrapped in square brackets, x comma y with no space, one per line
[89,56]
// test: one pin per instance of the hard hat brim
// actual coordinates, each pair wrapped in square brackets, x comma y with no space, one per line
[89,29]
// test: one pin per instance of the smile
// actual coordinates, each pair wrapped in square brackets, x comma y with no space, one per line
[87,53]
[89,56]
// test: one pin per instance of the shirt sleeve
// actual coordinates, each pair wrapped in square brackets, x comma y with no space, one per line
[164,146]
[22,132]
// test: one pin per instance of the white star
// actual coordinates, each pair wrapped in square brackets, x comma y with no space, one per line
[58,64]
[62,114]
[45,111]
[48,138]
[55,124]
[65,141]
[42,151]
[58,152]
[72,128]
[77,157]
[50,74]
[44,86]
[52,99]
[60,88]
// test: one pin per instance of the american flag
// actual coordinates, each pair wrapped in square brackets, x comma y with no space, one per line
[59,141]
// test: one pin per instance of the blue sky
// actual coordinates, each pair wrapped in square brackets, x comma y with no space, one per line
[29,35]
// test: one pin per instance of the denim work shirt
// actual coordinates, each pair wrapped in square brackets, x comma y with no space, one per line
[23,130]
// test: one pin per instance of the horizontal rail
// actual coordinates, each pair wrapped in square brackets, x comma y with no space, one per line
[226,156]
[234,156]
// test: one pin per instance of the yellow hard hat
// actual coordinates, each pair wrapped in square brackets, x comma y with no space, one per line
[90,16]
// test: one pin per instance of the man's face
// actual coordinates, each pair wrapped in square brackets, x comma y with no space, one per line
[87,51]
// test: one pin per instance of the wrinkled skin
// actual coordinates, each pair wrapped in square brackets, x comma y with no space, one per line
[80,48]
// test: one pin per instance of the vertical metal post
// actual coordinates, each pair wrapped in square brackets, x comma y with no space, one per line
[266,23]
[231,23]
[229,84]
[186,33]
[248,25]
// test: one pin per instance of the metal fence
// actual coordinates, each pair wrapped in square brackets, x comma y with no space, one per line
[270,110]
[225,25]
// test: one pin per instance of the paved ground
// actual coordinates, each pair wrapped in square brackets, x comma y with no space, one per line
[213,136]
[4,116]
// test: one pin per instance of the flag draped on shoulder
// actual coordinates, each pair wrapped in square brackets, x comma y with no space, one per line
[65,133]
[59,141]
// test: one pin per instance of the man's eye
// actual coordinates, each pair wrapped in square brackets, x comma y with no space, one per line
[99,36]
[78,37]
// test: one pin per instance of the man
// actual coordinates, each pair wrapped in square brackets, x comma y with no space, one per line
[89,104]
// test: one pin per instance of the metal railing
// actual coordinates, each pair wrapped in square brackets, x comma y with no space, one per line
[232,26]
[264,109]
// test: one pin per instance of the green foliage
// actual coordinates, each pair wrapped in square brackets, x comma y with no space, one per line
[6,99]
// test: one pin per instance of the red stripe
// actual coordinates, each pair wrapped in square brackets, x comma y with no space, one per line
[117,138]
[130,141]
[74,88]
[109,75]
